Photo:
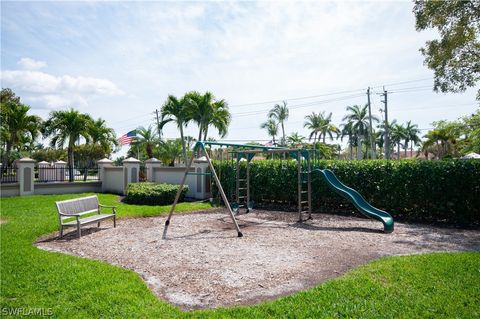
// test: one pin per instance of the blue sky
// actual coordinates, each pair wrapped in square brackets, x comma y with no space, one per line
[120,60]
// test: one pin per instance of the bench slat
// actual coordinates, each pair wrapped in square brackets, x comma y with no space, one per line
[87,220]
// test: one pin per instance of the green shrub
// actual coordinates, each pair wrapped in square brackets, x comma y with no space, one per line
[153,193]
[430,191]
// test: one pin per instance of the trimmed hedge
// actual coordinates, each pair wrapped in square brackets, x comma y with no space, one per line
[153,193]
[430,191]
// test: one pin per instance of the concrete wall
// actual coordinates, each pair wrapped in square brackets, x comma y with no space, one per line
[10,189]
[113,180]
[67,188]
[174,175]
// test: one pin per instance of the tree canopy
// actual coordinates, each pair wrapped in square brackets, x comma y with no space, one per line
[455,57]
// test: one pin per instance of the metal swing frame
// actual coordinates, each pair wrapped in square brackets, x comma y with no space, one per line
[247,151]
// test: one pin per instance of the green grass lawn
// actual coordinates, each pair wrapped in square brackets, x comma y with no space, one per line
[430,286]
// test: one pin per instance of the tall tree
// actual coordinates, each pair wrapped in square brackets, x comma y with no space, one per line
[176,110]
[272,129]
[455,57]
[411,135]
[397,135]
[66,127]
[327,127]
[146,139]
[100,134]
[314,124]
[348,131]
[280,114]
[18,129]
[358,117]
[206,111]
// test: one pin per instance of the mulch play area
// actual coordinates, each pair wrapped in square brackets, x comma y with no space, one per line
[203,264]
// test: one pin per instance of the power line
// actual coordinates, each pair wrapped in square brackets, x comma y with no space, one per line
[297,106]
[296,98]
[327,94]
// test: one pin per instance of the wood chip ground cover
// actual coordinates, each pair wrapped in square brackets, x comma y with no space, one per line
[203,264]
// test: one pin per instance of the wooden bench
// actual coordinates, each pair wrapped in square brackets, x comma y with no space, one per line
[76,208]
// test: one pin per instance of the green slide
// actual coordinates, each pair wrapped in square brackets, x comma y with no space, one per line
[357,200]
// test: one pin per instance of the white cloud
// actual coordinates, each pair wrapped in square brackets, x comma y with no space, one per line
[31,64]
[50,91]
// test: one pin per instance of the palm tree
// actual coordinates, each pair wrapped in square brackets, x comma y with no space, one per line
[280,114]
[220,120]
[347,130]
[360,124]
[66,127]
[313,123]
[326,126]
[206,111]
[169,151]
[176,110]
[17,127]
[295,139]
[411,135]
[272,128]
[397,135]
[146,138]
[100,134]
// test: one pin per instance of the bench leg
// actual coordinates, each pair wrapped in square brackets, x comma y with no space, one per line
[79,232]
[114,221]
[61,231]
[98,224]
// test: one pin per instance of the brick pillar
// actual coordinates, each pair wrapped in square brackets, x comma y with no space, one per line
[26,175]
[150,166]
[131,170]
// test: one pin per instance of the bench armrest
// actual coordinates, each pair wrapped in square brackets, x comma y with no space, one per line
[106,206]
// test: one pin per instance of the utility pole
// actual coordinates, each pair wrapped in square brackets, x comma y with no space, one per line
[373,152]
[158,125]
[387,134]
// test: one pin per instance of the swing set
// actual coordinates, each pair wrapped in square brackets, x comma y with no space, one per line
[241,197]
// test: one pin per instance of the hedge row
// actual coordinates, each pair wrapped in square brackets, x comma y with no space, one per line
[152,193]
[431,191]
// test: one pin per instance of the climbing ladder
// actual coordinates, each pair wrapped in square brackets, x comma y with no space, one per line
[241,196]
[304,185]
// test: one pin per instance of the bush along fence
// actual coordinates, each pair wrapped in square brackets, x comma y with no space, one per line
[153,193]
[428,191]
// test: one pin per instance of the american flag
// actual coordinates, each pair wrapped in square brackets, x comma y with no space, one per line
[126,139]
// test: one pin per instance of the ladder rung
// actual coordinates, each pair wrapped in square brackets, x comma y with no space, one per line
[304,211]
[242,180]
[242,188]
[241,197]
[304,202]
[304,192]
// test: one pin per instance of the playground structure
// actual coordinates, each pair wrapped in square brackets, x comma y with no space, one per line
[307,163]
